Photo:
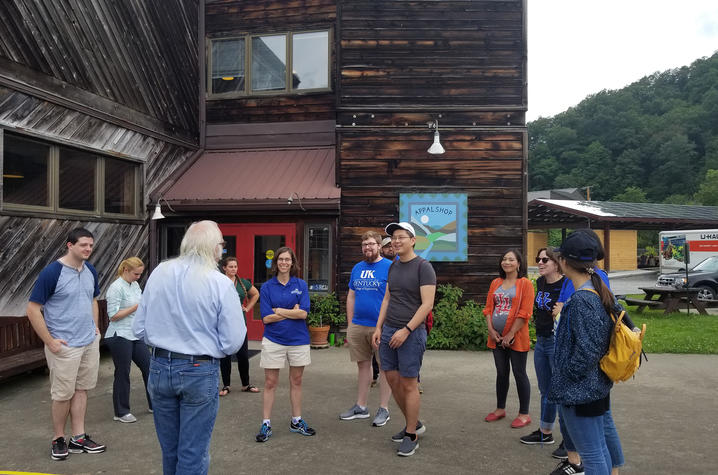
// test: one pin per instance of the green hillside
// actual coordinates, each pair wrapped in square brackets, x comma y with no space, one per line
[655,140]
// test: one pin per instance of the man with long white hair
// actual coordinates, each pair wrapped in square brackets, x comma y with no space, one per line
[191,317]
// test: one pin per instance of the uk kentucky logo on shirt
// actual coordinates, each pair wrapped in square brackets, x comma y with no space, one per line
[296,292]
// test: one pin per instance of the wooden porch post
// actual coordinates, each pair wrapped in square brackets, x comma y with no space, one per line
[607,246]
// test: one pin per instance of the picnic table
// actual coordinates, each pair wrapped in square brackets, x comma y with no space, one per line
[668,298]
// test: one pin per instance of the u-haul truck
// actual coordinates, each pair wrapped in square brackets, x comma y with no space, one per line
[694,245]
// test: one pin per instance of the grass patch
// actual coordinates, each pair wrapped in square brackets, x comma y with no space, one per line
[677,332]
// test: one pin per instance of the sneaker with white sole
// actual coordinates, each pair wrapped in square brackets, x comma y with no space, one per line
[567,468]
[408,446]
[85,444]
[537,438]
[59,449]
[560,453]
[301,427]
[126,418]
[381,417]
[399,436]
[355,412]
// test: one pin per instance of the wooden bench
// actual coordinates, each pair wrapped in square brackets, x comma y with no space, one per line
[641,304]
[22,350]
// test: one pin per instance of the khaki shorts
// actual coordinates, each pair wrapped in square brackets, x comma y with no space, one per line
[274,355]
[359,340]
[73,369]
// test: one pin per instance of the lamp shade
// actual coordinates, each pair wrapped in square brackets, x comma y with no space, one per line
[436,148]
[158,212]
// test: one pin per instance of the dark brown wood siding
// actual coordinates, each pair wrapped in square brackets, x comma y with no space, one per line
[138,54]
[427,52]
[232,18]
[406,63]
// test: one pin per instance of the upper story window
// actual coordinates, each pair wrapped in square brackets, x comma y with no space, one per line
[281,63]
[49,179]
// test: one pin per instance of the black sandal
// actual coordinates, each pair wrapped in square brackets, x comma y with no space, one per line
[250,389]
[226,391]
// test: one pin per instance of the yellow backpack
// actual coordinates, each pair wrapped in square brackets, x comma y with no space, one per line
[624,351]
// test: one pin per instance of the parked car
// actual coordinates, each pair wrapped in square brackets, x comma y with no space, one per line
[704,276]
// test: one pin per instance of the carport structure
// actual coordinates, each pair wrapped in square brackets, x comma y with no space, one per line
[612,215]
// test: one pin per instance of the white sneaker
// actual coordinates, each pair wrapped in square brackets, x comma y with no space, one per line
[126,418]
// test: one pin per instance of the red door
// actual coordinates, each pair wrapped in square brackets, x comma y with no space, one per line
[253,244]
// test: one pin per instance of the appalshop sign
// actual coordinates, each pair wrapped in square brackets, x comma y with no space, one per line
[440,221]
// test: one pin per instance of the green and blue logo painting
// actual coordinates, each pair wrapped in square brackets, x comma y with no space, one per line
[440,221]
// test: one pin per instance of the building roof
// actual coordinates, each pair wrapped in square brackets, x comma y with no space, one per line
[567,213]
[558,194]
[259,179]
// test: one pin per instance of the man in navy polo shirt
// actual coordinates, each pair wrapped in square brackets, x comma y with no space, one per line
[367,286]
[67,291]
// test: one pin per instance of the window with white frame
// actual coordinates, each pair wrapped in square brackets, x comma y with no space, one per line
[277,63]
[47,178]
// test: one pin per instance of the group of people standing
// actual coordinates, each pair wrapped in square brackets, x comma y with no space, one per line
[190,321]
[571,308]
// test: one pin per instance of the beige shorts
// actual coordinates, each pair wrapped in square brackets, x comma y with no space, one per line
[73,369]
[359,340]
[274,355]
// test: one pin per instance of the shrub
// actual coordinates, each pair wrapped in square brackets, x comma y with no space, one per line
[324,310]
[457,327]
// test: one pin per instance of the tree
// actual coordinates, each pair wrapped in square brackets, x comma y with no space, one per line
[631,194]
[707,193]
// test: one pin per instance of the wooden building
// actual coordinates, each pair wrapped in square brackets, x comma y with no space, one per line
[99,104]
[313,120]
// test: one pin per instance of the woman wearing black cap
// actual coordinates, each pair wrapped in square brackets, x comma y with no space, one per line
[582,337]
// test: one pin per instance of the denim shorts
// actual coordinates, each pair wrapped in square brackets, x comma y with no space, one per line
[407,358]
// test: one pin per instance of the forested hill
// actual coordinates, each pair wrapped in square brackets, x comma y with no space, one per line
[655,140]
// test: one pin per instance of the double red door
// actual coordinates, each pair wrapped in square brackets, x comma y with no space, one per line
[254,244]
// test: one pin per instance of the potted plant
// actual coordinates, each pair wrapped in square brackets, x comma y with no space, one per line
[323,313]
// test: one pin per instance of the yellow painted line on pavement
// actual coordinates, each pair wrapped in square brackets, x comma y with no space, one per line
[5,472]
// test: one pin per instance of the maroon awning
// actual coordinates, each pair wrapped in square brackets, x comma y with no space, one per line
[262,179]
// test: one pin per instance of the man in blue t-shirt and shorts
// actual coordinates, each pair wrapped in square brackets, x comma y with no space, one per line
[400,333]
[367,286]
[64,313]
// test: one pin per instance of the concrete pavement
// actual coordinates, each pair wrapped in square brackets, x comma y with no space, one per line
[666,417]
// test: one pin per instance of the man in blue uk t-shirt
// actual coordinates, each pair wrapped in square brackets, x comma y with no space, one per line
[64,313]
[367,286]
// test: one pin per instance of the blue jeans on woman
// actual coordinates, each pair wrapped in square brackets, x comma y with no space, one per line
[543,363]
[185,400]
[613,442]
[588,436]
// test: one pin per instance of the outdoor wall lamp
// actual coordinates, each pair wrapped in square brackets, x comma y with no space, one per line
[291,199]
[436,148]
[158,209]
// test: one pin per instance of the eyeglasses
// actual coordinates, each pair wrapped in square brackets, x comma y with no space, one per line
[371,244]
[223,243]
[284,259]
[400,238]
[543,260]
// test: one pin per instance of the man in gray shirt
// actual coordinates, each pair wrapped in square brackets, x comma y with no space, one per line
[400,333]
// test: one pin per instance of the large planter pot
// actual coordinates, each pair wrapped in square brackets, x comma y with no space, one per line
[318,336]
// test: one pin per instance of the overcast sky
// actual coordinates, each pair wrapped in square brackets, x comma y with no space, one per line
[577,47]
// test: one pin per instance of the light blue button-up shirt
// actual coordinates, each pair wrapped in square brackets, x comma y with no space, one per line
[121,294]
[190,309]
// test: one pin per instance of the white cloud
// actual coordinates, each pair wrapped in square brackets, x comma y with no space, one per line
[577,48]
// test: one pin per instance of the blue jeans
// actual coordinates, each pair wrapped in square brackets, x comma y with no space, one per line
[613,442]
[587,435]
[543,363]
[185,400]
